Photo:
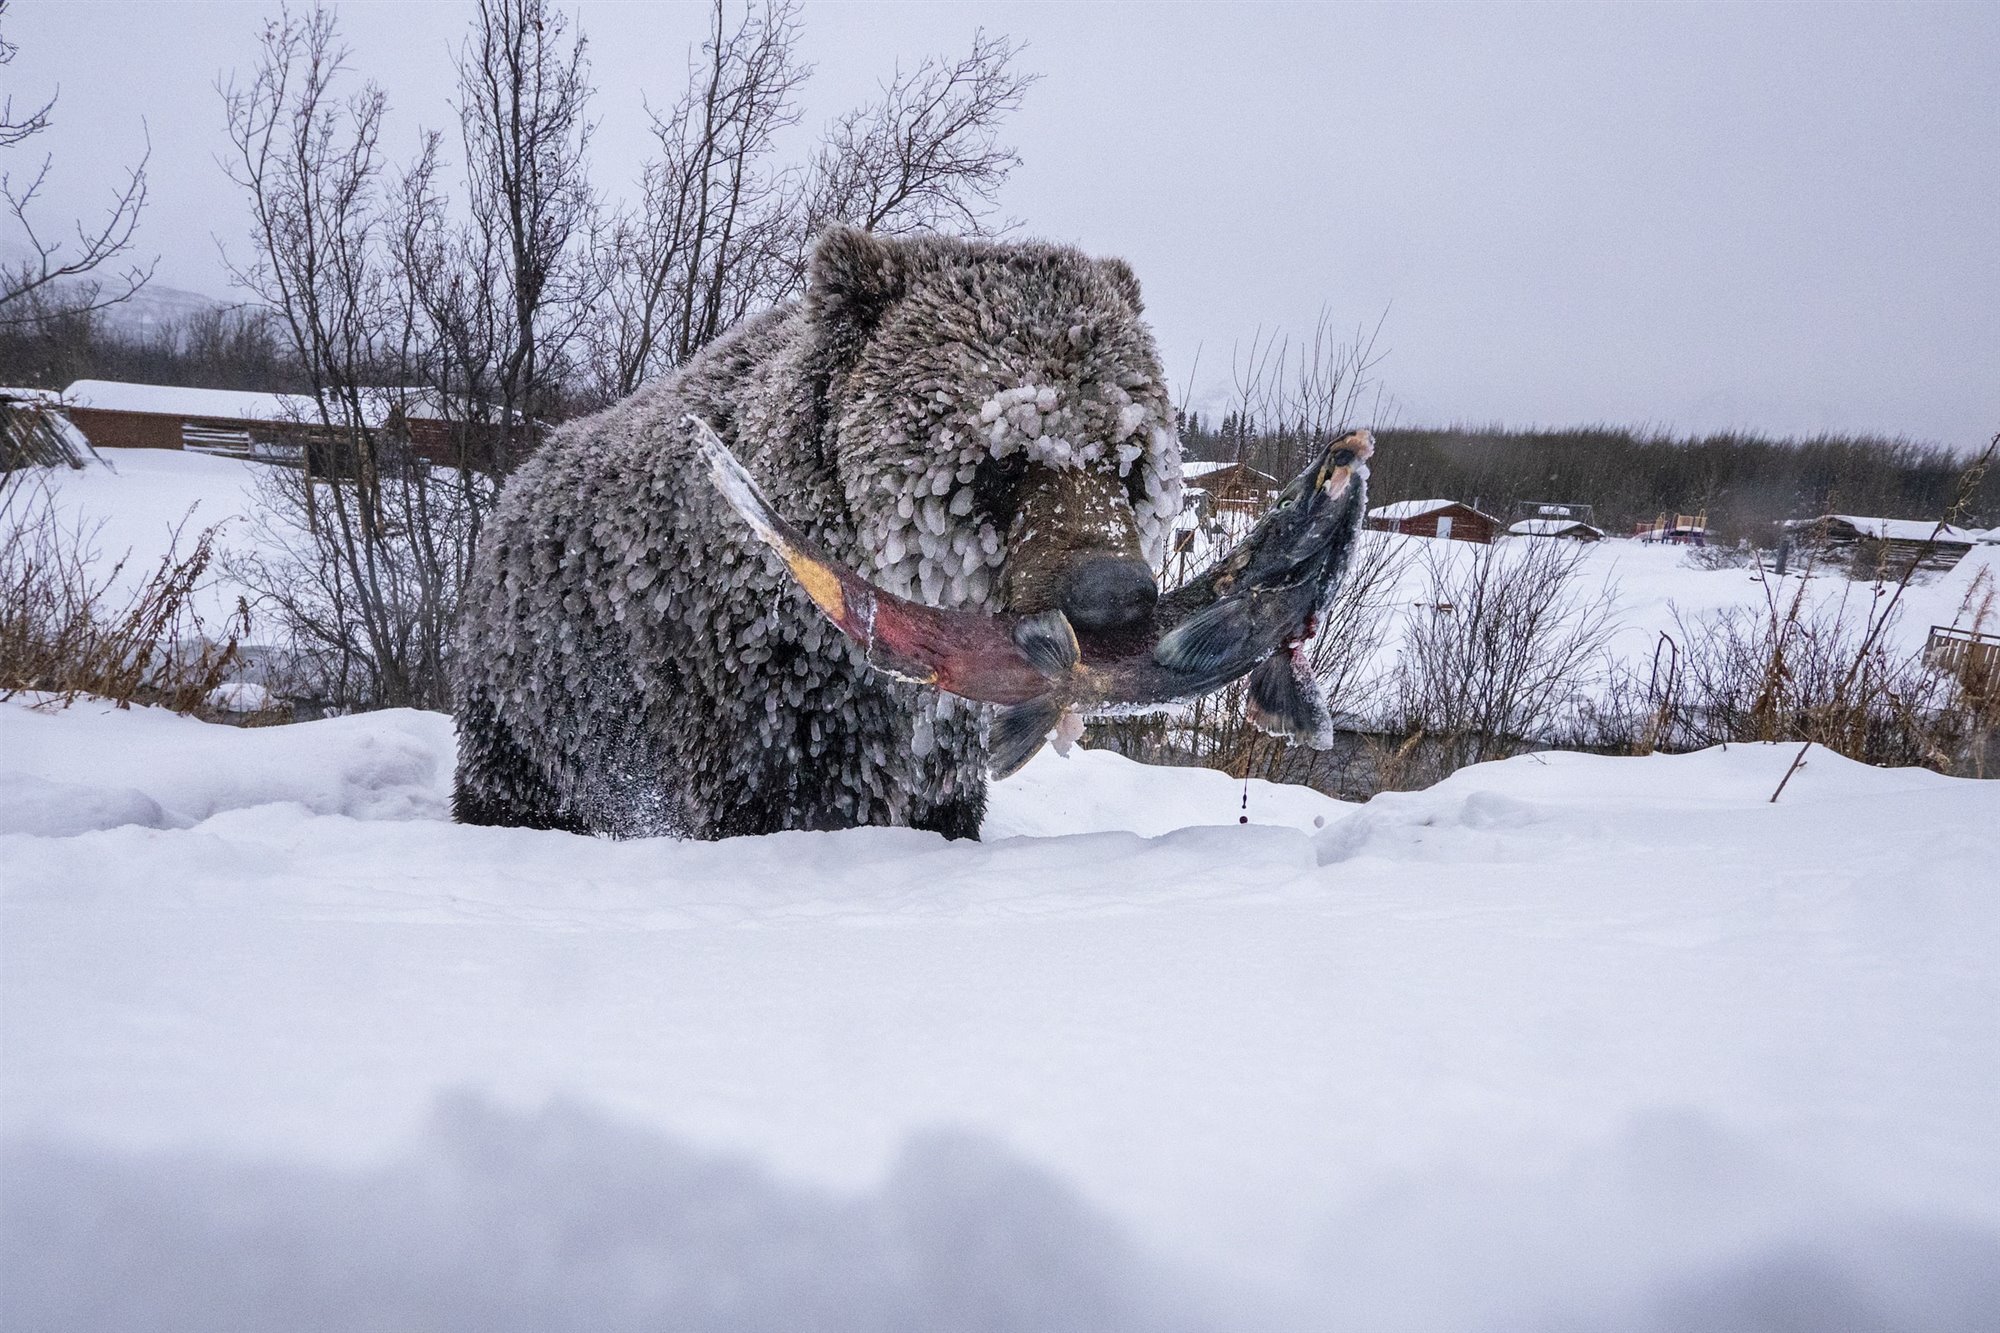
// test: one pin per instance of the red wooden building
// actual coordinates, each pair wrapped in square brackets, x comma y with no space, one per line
[265,427]
[1434,518]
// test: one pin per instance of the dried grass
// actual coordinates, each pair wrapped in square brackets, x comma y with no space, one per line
[67,629]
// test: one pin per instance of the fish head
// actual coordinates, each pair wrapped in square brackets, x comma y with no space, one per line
[1296,537]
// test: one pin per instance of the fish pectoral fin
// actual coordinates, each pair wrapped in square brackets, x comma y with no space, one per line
[1286,700]
[1049,643]
[1208,639]
[1017,733]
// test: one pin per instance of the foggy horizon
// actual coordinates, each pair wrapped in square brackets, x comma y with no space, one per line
[1770,218]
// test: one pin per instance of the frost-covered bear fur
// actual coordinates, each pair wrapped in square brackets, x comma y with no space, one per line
[634,662]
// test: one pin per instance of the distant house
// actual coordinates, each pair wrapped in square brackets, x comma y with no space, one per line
[34,432]
[1675,530]
[1209,485]
[1871,545]
[265,427]
[1434,518]
[117,415]
[1562,529]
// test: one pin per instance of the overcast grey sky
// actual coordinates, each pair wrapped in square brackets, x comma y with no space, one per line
[1784,217]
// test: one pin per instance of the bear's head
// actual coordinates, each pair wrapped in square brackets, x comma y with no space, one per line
[1000,424]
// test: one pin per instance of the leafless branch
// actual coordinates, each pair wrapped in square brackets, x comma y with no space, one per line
[56,278]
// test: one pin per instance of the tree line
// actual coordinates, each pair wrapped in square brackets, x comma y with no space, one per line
[1746,483]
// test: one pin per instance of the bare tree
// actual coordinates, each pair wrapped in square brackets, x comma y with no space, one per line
[709,240]
[415,310]
[50,282]
[474,305]
[1294,396]
[309,162]
[927,156]
[723,230]
[1501,655]
[367,544]
[523,96]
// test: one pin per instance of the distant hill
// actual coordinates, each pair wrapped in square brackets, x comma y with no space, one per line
[154,307]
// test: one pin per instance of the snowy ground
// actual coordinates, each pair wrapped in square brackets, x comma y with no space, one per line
[1562,1043]
[133,507]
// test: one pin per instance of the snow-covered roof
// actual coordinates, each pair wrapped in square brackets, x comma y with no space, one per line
[30,395]
[1209,468]
[1202,468]
[1402,509]
[1550,527]
[173,400]
[1895,529]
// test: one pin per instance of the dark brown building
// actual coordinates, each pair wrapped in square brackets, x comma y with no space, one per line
[1872,546]
[1434,518]
[263,427]
[1212,486]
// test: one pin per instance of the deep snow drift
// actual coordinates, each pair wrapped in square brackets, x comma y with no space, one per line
[1564,1042]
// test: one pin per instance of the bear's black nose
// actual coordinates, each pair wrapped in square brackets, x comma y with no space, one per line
[1108,592]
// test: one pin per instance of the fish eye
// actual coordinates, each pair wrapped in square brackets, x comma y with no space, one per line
[1343,457]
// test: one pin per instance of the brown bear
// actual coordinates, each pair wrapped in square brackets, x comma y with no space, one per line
[973,424]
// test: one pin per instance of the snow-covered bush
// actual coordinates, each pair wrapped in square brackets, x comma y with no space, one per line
[1499,658]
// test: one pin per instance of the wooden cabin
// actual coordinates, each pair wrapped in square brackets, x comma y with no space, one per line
[1209,485]
[261,427]
[1559,529]
[1871,546]
[1434,518]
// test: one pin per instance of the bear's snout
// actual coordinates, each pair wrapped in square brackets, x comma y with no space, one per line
[1108,591]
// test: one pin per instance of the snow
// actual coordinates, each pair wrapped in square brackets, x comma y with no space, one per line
[1402,509]
[1564,1042]
[233,404]
[136,502]
[1550,527]
[389,765]
[179,401]
[145,493]
[1895,529]
[241,696]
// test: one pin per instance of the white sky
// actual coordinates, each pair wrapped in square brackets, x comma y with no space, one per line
[1784,217]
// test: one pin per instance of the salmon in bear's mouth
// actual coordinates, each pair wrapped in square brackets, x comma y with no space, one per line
[1248,613]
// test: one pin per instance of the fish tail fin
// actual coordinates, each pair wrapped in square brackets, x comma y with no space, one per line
[1018,732]
[1286,700]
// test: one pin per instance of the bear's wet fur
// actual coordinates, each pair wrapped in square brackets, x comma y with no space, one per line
[634,662]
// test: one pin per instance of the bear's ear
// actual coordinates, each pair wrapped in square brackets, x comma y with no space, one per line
[1124,281]
[853,278]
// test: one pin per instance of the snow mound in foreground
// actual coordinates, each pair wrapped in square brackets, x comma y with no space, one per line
[1564,1042]
[388,765]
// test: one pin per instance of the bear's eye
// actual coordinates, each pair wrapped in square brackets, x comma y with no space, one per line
[996,488]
